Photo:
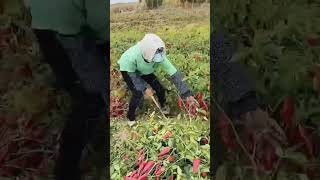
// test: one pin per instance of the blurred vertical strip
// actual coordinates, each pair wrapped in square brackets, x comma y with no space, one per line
[215,150]
[108,159]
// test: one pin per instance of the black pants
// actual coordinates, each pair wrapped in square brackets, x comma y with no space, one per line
[88,107]
[137,95]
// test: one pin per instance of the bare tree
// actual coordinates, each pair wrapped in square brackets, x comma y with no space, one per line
[152,4]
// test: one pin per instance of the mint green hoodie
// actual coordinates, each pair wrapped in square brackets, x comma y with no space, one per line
[132,61]
[67,17]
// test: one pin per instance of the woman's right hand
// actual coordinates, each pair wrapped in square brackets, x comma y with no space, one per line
[148,93]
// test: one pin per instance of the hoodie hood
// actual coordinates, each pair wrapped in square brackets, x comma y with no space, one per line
[149,45]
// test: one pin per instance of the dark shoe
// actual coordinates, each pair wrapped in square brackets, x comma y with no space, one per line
[64,169]
[64,173]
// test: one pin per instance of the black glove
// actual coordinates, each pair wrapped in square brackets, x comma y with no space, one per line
[181,85]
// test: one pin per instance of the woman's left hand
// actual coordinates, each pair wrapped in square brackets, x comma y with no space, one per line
[192,100]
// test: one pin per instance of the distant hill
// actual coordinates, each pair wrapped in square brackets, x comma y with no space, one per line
[112,2]
[123,7]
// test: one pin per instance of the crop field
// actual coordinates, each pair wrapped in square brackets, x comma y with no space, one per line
[176,147]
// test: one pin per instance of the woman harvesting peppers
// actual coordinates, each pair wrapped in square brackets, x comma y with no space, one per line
[137,66]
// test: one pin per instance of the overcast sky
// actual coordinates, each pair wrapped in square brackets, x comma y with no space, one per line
[122,1]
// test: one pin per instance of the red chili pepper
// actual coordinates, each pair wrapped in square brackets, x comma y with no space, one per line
[203,105]
[141,166]
[180,103]
[193,110]
[167,136]
[136,176]
[204,174]
[287,112]
[270,158]
[294,137]
[171,159]
[158,166]
[159,171]
[141,152]
[188,105]
[196,164]
[307,141]
[199,97]
[143,177]
[133,173]
[147,167]
[226,132]
[165,151]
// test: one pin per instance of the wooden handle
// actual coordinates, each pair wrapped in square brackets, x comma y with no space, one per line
[154,100]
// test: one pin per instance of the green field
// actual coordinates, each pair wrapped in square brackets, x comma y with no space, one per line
[186,33]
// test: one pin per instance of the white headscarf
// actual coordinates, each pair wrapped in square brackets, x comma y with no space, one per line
[149,45]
